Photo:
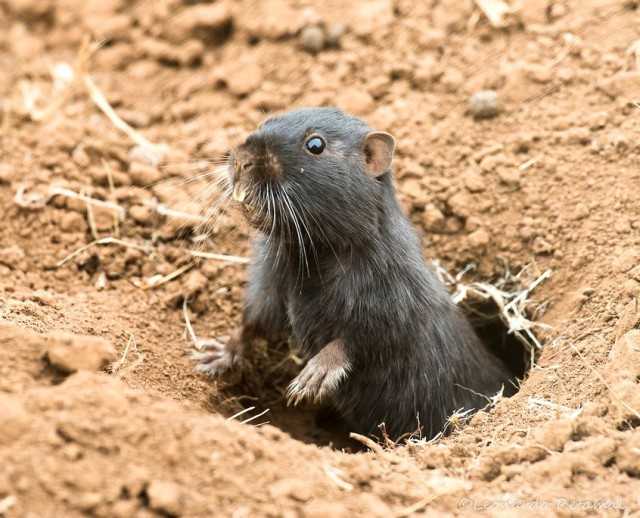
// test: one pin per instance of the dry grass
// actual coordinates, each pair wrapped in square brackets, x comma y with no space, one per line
[66,80]
[510,296]
[100,242]
[418,506]
[117,368]
[366,441]
[554,408]
[335,475]
[158,280]
[198,343]
[159,151]
[220,257]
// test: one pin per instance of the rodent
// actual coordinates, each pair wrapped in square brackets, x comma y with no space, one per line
[337,265]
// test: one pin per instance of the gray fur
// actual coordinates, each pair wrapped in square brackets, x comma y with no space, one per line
[364,281]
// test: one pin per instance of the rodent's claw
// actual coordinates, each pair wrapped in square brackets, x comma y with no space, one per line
[215,358]
[315,382]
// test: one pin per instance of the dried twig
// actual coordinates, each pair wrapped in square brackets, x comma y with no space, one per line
[187,323]
[91,220]
[116,220]
[529,163]
[412,509]
[248,420]
[198,343]
[334,475]
[157,280]
[116,366]
[104,241]
[369,443]
[163,210]
[61,191]
[63,77]
[220,257]
[101,102]
[572,413]
[36,200]
[511,304]
[242,412]
[30,201]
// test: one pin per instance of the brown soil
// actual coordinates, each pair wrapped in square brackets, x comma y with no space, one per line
[551,182]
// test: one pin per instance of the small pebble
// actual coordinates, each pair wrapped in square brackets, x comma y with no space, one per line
[473,181]
[433,219]
[141,214]
[73,222]
[479,239]
[143,175]
[81,157]
[7,173]
[104,217]
[165,497]
[313,39]
[509,177]
[335,31]
[484,104]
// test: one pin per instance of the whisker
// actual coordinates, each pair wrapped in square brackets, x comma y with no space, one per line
[323,238]
[305,225]
[301,248]
[287,236]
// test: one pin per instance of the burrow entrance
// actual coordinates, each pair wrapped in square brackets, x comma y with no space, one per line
[272,366]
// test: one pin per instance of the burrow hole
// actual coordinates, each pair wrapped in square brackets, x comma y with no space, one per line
[273,365]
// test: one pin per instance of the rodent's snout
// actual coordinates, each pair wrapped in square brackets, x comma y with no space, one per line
[243,163]
[252,163]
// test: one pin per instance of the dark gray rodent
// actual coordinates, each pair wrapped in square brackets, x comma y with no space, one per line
[338,267]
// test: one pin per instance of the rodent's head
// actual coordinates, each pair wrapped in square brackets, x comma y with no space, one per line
[312,173]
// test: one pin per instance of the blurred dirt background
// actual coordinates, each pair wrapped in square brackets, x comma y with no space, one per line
[544,175]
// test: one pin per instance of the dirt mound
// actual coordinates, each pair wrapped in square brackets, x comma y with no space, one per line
[103,256]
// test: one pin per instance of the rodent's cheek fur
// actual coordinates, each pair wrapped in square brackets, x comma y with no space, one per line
[338,208]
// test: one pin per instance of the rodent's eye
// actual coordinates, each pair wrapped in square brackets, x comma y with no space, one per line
[315,145]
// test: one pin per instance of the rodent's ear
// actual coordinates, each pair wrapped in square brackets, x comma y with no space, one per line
[378,151]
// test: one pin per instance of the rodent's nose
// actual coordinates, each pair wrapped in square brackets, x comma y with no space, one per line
[245,166]
[243,162]
[242,169]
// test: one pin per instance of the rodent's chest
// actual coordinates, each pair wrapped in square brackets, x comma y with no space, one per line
[316,315]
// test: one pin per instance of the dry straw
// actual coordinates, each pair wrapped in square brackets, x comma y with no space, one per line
[510,296]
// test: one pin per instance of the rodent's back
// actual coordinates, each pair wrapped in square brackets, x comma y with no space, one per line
[415,358]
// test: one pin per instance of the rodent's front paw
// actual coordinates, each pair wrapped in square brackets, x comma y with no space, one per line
[321,376]
[216,357]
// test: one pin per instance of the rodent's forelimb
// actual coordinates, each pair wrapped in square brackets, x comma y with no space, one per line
[218,356]
[322,374]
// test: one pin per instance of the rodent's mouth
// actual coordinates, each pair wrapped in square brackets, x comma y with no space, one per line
[254,187]
[239,193]
[248,197]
